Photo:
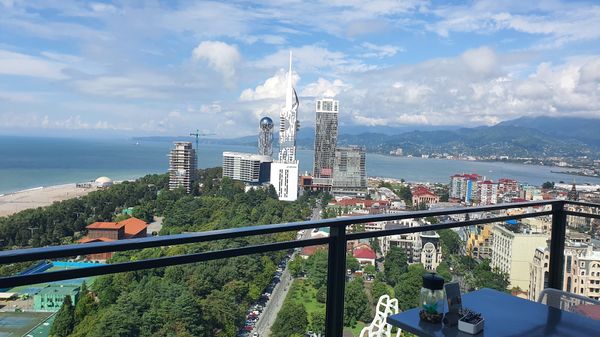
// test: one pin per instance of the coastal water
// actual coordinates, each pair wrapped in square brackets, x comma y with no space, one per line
[29,162]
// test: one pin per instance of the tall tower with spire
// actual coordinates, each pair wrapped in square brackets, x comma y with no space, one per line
[288,121]
[284,172]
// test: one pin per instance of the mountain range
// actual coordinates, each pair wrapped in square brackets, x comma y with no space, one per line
[522,137]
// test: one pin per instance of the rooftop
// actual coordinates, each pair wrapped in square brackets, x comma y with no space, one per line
[104,225]
[59,289]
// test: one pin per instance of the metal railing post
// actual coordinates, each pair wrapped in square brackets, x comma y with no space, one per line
[336,282]
[557,245]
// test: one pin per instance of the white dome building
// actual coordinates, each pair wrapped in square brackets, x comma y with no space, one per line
[104,182]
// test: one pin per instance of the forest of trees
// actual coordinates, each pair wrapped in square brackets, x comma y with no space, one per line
[202,299]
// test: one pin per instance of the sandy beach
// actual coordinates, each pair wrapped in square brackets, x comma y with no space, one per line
[11,203]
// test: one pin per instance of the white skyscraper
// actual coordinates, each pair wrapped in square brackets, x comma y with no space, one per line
[284,172]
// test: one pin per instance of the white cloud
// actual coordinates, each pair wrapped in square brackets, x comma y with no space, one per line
[221,56]
[142,85]
[379,51]
[272,88]
[324,88]
[481,60]
[103,7]
[18,64]
[474,88]
[19,97]
[314,59]
[557,23]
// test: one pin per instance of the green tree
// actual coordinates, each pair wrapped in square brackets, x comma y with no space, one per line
[379,289]
[370,269]
[408,287]
[143,212]
[297,266]
[291,319]
[317,322]
[85,305]
[322,294]
[444,271]
[394,265]
[548,185]
[485,276]
[375,244]
[405,194]
[65,319]
[352,263]
[356,305]
[451,242]
[317,268]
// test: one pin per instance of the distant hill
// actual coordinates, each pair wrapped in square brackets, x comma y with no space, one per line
[586,130]
[523,137]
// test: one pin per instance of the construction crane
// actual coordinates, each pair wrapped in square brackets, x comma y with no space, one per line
[197,134]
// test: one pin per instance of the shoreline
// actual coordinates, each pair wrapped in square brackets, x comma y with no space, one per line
[42,196]
[39,188]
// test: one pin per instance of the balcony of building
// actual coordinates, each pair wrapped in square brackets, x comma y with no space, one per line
[164,251]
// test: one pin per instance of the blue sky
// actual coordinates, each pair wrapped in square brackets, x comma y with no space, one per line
[165,67]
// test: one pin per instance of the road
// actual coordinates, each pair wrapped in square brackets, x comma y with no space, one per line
[269,314]
[155,226]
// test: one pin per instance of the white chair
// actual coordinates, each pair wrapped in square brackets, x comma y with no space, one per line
[379,327]
[570,302]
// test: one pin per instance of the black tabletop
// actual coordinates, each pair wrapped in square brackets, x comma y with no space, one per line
[504,315]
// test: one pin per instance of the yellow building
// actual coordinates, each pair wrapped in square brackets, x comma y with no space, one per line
[479,245]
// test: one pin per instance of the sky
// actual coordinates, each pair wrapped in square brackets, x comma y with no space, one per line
[170,67]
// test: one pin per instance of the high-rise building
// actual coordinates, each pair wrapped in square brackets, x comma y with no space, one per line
[487,192]
[464,187]
[284,177]
[326,131]
[182,166]
[247,167]
[265,137]
[513,248]
[581,269]
[284,172]
[349,171]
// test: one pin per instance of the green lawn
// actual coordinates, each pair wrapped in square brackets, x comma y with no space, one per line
[304,293]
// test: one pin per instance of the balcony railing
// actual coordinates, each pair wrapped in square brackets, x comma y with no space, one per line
[336,243]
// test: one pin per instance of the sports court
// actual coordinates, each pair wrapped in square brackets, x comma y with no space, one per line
[17,324]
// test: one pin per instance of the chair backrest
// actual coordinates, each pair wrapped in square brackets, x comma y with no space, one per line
[379,327]
[570,302]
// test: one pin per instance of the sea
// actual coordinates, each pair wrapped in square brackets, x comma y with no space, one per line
[32,162]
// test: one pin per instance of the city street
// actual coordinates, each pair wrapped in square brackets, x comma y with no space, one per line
[268,316]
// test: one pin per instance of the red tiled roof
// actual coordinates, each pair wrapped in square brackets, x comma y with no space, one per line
[355,201]
[88,240]
[133,226]
[104,225]
[311,250]
[421,191]
[364,253]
